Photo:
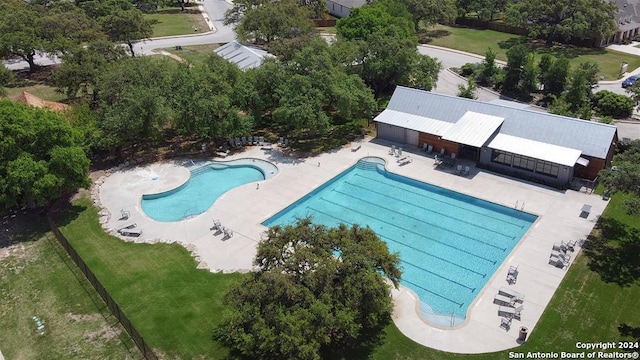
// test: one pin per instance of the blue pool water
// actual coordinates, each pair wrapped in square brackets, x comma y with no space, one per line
[450,244]
[197,195]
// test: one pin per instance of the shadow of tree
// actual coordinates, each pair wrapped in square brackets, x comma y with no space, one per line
[427,36]
[628,330]
[22,226]
[511,42]
[613,252]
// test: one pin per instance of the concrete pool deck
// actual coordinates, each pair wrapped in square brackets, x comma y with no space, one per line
[244,208]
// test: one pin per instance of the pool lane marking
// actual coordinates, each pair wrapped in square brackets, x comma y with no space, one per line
[424,221]
[437,212]
[441,201]
[492,261]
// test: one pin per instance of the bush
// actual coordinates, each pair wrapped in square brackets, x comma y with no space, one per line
[632,206]
[469,69]
[607,103]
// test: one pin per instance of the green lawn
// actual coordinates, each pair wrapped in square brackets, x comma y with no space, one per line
[478,41]
[194,54]
[42,91]
[171,21]
[37,278]
[174,305]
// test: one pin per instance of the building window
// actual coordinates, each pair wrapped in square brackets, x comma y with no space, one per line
[524,162]
[501,157]
[547,168]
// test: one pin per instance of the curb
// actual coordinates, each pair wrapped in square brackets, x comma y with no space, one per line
[481,57]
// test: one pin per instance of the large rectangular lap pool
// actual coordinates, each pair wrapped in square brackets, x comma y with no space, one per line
[450,244]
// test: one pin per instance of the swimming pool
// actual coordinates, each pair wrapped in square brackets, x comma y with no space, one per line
[207,182]
[450,244]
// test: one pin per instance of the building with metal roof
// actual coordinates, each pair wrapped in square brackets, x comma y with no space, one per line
[245,57]
[519,141]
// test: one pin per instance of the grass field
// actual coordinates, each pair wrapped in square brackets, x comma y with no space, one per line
[478,41]
[38,279]
[42,91]
[171,21]
[171,303]
[194,54]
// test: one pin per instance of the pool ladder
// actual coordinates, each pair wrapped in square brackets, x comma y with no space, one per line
[521,207]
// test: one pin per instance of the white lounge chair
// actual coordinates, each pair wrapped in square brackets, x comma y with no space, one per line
[505,323]
[512,312]
[430,149]
[562,255]
[459,169]
[503,300]
[466,171]
[424,147]
[558,262]
[511,293]
[399,152]
[124,215]
[392,151]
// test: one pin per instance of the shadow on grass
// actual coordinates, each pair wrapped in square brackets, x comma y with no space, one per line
[613,252]
[177,11]
[64,214]
[427,36]
[628,330]
[511,42]
[22,226]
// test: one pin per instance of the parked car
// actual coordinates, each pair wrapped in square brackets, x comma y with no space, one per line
[630,81]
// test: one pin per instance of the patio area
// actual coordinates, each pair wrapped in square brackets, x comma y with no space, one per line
[243,209]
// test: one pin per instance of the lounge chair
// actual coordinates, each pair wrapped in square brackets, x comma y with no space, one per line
[511,293]
[399,152]
[453,156]
[571,245]
[512,312]
[505,323]
[459,169]
[503,300]
[562,255]
[466,171]
[124,215]
[424,147]
[130,230]
[392,151]
[286,142]
[442,151]
[511,279]
[513,270]
[430,149]
[585,211]
[356,147]
[437,160]
[558,262]
[216,225]
[281,142]
[560,247]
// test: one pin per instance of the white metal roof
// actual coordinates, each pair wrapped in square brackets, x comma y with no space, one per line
[592,138]
[473,129]
[536,149]
[246,57]
[413,122]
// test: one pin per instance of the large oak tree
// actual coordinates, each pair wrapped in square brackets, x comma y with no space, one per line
[318,293]
[553,19]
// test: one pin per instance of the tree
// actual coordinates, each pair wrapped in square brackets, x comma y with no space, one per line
[282,19]
[81,67]
[555,79]
[578,92]
[430,12]
[485,10]
[126,26]
[565,19]
[529,77]
[6,77]
[468,91]
[544,65]
[318,293]
[634,93]
[381,17]
[40,156]
[29,29]
[516,59]
[488,68]
[607,103]
[626,176]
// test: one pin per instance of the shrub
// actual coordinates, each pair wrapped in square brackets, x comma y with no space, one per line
[469,69]
[607,103]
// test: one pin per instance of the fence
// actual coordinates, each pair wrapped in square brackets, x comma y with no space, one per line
[115,309]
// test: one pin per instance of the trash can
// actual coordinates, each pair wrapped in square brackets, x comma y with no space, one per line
[523,333]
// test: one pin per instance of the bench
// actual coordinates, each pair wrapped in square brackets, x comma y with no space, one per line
[356,148]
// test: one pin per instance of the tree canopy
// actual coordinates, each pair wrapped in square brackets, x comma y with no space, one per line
[318,293]
[40,156]
[28,29]
[564,19]
[626,176]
